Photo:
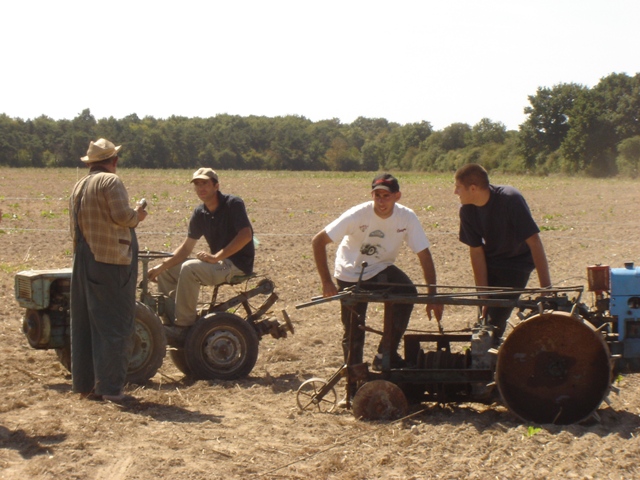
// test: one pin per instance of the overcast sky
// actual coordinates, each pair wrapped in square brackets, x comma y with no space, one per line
[406,61]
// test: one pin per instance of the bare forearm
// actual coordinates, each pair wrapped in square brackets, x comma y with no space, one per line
[238,242]
[428,270]
[540,260]
[180,254]
[319,244]
[479,266]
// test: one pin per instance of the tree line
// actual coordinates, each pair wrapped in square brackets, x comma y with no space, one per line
[569,128]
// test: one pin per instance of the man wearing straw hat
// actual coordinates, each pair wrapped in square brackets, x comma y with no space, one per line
[104,277]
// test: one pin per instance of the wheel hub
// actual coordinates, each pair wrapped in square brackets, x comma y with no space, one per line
[223,348]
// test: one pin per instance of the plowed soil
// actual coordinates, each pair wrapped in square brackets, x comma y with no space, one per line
[252,427]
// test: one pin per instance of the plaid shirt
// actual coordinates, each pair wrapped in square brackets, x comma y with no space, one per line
[104,218]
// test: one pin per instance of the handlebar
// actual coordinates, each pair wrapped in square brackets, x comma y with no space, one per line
[153,254]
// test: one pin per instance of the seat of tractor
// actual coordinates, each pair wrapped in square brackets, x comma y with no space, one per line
[235,280]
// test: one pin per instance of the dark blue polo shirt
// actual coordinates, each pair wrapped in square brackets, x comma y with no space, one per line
[221,226]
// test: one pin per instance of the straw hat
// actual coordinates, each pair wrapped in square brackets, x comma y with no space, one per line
[100,150]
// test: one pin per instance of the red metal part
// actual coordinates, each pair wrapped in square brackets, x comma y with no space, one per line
[598,277]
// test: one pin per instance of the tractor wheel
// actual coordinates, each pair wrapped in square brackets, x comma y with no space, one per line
[64,356]
[149,346]
[180,360]
[221,346]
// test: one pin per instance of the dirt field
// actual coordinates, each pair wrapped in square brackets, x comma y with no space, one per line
[252,428]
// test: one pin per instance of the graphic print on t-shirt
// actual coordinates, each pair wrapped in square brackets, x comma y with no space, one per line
[373,249]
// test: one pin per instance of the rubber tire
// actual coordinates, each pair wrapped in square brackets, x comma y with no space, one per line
[180,360]
[148,326]
[150,346]
[64,356]
[237,341]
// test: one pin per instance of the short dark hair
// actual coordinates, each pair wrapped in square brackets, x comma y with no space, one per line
[473,174]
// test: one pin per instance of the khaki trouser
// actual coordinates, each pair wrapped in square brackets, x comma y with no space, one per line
[187,278]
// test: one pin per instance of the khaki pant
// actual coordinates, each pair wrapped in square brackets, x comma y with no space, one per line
[187,278]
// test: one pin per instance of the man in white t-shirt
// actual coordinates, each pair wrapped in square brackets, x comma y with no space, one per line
[373,232]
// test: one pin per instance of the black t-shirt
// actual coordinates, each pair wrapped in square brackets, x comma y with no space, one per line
[221,226]
[501,227]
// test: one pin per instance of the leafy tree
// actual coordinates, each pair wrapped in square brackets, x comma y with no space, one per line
[10,140]
[628,160]
[485,132]
[288,147]
[618,98]
[372,155]
[341,156]
[76,137]
[600,119]
[454,136]
[548,123]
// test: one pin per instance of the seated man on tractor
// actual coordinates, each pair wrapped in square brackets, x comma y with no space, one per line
[223,221]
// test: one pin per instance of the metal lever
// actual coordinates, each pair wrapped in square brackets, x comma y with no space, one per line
[363,265]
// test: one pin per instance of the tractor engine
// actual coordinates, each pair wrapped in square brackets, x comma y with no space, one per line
[45,296]
[617,301]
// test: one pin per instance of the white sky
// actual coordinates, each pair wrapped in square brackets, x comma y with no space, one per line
[406,61]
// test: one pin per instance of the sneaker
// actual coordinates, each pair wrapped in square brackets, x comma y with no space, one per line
[352,393]
[376,365]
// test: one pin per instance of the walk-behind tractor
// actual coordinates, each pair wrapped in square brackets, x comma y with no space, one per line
[223,343]
[556,365]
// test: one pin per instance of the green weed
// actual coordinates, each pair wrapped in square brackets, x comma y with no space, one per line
[531,431]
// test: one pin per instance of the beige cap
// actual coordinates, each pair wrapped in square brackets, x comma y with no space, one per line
[205,173]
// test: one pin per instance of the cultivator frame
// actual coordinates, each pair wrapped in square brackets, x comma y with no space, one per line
[473,366]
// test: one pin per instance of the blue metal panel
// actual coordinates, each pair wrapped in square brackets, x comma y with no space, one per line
[631,348]
[32,287]
[625,285]
[625,281]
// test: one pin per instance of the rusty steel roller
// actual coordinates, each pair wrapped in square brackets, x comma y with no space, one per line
[554,368]
[379,400]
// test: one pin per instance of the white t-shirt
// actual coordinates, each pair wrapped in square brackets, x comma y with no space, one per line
[368,238]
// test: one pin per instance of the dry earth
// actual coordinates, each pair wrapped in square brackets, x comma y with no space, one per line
[251,428]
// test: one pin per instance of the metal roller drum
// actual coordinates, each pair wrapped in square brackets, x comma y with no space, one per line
[379,400]
[554,368]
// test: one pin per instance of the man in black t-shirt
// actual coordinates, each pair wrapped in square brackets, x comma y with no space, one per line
[503,239]
[223,221]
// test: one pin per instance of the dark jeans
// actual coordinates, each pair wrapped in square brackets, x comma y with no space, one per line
[504,277]
[355,315]
[102,322]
